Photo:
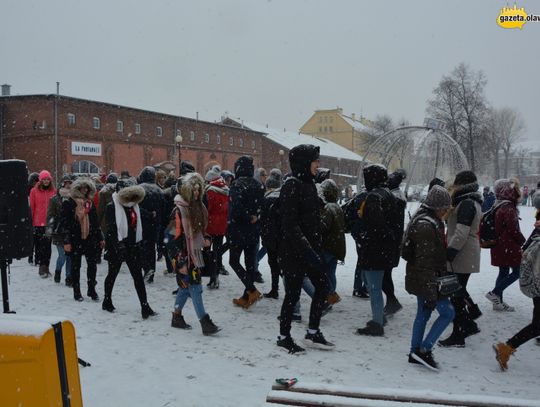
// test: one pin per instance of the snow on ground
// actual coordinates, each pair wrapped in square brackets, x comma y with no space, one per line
[148,363]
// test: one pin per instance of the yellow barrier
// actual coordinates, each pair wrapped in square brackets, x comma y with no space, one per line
[38,363]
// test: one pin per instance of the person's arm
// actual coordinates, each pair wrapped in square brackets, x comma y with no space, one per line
[239,212]
[465,216]
[510,222]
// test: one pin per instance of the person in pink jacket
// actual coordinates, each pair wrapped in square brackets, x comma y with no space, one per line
[40,196]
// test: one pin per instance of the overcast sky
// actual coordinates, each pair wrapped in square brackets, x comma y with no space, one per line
[271,62]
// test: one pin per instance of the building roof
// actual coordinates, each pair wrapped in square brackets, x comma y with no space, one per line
[290,139]
[356,124]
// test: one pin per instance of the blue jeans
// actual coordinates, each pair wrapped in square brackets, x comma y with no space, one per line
[63,259]
[374,279]
[195,292]
[309,289]
[446,316]
[505,279]
[330,261]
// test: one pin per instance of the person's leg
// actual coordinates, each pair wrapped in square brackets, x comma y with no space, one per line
[419,325]
[136,272]
[530,331]
[275,272]
[293,284]
[234,262]
[505,279]
[330,262]
[217,243]
[114,269]
[250,253]
[75,274]
[195,292]
[388,286]
[181,297]
[319,279]
[46,249]
[68,267]
[61,260]
[446,316]
[374,283]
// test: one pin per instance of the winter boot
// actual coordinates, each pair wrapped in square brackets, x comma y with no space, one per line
[77,292]
[146,311]
[425,358]
[91,292]
[272,294]
[503,351]
[208,327]
[253,297]
[149,276]
[361,294]
[223,271]
[57,276]
[43,271]
[178,321]
[333,298]
[392,306]
[317,341]
[214,283]
[241,301]
[258,278]
[456,339]
[107,305]
[474,311]
[470,328]
[288,344]
[372,328]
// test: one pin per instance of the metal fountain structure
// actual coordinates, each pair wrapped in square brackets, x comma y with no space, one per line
[424,152]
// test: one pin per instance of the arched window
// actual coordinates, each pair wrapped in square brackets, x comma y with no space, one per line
[84,167]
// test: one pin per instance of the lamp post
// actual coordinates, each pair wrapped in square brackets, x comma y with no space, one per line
[178,139]
[281,154]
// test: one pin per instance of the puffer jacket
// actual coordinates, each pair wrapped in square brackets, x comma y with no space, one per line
[332,221]
[39,203]
[463,253]
[426,232]
[154,202]
[507,251]
[217,197]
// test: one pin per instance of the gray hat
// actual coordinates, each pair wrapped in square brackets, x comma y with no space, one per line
[213,174]
[438,198]
[275,178]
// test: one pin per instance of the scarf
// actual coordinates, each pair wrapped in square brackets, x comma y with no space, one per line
[194,241]
[122,220]
[81,213]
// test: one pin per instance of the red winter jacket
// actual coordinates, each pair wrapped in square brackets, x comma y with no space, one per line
[508,251]
[39,202]
[217,194]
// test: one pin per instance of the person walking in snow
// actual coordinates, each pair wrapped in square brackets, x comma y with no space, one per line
[82,234]
[506,254]
[426,263]
[54,213]
[463,253]
[123,242]
[105,198]
[300,248]
[40,196]
[189,220]
[489,199]
[245,200]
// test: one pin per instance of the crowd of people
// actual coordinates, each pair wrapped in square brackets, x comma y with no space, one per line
[299,221]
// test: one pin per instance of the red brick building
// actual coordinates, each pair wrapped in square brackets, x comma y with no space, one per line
[96,137]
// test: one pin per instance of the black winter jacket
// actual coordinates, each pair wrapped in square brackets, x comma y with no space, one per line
[246,196]
[154,202]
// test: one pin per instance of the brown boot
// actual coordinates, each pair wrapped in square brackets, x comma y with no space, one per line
[253,297]
[333,298]
[178,321]
[241,301]
[503,352]
[44,271]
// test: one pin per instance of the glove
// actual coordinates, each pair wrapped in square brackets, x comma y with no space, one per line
[430,304]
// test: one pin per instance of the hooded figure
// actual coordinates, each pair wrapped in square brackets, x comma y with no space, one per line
[261,176]
[245,199]
[275,179]
[105,197]
[300,246]
[123,242]
[82,234]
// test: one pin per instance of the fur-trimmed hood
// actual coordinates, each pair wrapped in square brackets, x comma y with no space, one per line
[77,185]
[188,183]
[131,195]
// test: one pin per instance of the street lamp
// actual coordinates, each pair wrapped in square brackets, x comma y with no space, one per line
[281,154]
[178,139]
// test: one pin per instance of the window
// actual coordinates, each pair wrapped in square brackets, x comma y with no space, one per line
[84,167]
[218,139]
[192,135]
[96,123]
[231,141]
[241,142]
[119,125]
[253,144]
[178,133]
[207,138]
[71,119]
[320,119]
[159,131]
[137,128]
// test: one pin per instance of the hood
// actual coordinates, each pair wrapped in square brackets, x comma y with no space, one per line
[507,190]
[300,159]
[44,174]
[275,178]
[64,192]
[112,178]
[468,191]
[243,167]
[396,178]
[188,183]
[186,167]
[77,185]
[33,178]
[375,175]
[329,191]
[148,175]
[257,174]
[213,174]
[219,183]
[131,195]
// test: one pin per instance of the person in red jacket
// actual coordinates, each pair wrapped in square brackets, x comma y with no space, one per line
[217,195]
[40,196]
[507,252]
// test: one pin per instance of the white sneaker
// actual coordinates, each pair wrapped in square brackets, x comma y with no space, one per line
[494,298]
[503,307]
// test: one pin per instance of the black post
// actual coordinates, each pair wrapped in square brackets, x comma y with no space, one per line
[5,294]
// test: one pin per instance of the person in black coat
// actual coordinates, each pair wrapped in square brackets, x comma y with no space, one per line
[154,204]
[246,196]
[301,245]
[123,242]
[378,240]
[82,235]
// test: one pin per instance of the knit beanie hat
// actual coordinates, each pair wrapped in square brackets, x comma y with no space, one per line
[112,178]
[213,174]
[44,175]
[124,183]
[435,181]
[465,177]
[438,198]
[274,180]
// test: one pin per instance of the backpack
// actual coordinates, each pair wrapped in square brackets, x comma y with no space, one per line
[271,221]
[529,270]
[350,211]
[487,234]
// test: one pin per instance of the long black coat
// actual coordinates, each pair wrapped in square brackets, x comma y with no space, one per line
[71,229]
[154,202]
[246,196]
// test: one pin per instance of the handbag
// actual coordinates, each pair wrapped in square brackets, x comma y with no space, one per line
[448,285]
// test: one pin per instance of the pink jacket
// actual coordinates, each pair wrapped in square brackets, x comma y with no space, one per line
[39,202]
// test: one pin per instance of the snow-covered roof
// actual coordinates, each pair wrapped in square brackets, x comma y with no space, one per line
[290,139]
[356,124]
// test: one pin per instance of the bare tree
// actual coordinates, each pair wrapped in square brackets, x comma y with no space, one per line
[511,130]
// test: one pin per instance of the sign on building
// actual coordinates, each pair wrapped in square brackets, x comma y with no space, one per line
[93,149]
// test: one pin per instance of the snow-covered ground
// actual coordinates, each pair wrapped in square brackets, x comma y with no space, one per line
[148,363]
